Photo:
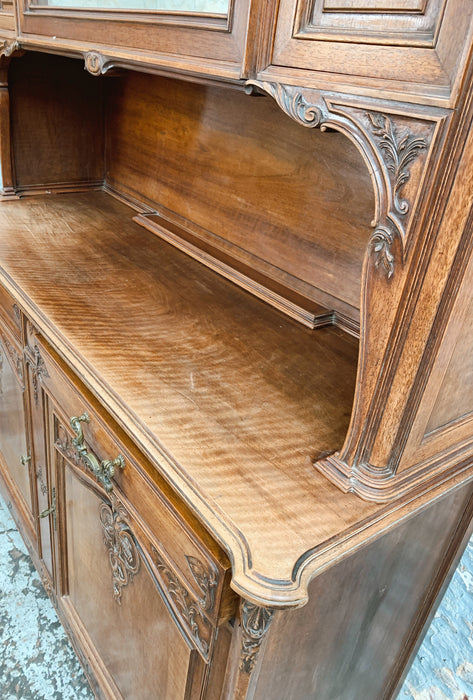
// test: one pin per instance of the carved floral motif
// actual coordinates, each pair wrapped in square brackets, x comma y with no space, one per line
[255,622]
[122,550]
[190,610]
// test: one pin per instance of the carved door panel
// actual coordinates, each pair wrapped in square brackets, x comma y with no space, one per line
[416,45]
[111,593]
[13,439]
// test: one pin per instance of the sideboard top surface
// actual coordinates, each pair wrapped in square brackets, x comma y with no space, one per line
[230,399]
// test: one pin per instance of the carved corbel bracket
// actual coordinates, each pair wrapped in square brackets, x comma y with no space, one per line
[96,63]
[387,144]
[8,48]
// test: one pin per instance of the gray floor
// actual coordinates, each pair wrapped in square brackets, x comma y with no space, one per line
[37,661]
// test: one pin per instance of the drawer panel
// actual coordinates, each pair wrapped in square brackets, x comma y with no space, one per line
[174,542]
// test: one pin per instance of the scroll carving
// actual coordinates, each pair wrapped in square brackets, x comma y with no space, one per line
[382,143]
[291,101]
[190,610]
[255,622]
[42,480]
[122,550]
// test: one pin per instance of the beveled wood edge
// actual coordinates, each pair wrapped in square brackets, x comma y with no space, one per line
[255,586]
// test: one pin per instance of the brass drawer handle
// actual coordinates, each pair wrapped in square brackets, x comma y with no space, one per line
[104,471]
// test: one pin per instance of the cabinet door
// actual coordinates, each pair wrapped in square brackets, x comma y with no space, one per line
[14,449]
[404,47]
[111,593]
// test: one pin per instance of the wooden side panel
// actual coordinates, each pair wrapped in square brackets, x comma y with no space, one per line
[365,615]
[57,127]
[293,203]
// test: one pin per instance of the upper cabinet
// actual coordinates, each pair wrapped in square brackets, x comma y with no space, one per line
[204,37]
[409,49]
[414,50]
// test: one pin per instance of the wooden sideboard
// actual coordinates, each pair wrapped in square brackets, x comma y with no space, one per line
[236,418]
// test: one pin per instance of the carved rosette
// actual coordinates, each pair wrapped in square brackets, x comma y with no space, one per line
[386,147]
[122,550]
[255,622]
[189,609]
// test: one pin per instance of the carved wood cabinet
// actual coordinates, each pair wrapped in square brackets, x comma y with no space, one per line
[236,390]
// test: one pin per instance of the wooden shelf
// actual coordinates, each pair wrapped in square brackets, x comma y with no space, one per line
[228,397]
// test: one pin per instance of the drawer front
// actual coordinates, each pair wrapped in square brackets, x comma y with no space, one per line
[10,313]
[191,570]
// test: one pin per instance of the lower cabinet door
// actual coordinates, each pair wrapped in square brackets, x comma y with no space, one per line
[128,633]
[13,442]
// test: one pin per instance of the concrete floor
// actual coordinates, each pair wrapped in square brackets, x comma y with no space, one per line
[38,663]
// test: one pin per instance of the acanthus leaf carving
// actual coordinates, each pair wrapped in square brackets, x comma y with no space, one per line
[399,153]
[255,622]
[122,550]
[190,610]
